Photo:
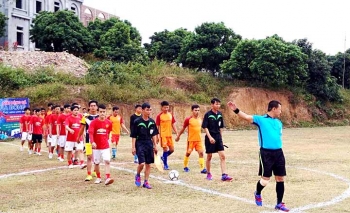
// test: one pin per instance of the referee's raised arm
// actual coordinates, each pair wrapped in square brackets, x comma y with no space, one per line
[241,114]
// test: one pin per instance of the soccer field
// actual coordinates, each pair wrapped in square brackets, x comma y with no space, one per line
[318,179]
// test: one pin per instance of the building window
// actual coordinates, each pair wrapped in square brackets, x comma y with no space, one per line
[20,36]
[19,4]
[38,7]
[57,6]
[74,9]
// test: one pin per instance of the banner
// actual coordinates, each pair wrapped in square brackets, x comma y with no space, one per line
[11,111]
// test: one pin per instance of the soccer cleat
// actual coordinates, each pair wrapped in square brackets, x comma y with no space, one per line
[21,149]
[209,176]
[88,178]
[113,157]
[109,181]
[98,180]
[30,152]
[258,199]
[39,153]
[281,207]
[204,171]
[137,180]
[50,155]
[186,169]
[166,167]
[83,166]
[147,185]
[225,177]
[94,174]
[75,162]
[61,159]
[70,166]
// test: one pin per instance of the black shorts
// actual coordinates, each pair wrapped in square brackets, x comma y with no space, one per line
[37,138]
[144,152]
[216,147]
[272,161]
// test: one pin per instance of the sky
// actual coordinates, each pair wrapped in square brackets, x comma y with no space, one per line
[325,23]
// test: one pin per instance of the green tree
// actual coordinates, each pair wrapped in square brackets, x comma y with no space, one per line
[121,44]
[241,58]
[320,82]
[166,45]
[337,69]
[208,47]
[98,28]
[270,61]
[3,20]
[60,31]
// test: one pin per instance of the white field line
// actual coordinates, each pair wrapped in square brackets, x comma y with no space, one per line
[335,200]
[197,188]
[31,172]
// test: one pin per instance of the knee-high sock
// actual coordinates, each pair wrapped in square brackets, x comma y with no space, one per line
[279,191]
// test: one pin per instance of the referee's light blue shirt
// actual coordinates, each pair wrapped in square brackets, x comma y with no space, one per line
[270,131]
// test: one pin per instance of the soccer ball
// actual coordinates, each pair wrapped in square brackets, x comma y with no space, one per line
[174,175]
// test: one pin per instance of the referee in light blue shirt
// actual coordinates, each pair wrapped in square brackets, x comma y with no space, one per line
[271,154]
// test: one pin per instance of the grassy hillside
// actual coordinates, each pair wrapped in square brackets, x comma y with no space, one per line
[133,83]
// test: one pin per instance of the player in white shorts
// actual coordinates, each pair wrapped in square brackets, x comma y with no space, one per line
[73,128]
[24,127]
[52,124]
[99,130]
[61,131]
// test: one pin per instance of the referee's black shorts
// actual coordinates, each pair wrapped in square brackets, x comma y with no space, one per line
[216,147]
[144,151]
[272,161]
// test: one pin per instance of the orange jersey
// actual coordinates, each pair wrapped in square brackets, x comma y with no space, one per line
[165,121]
[117,122]
[194,128]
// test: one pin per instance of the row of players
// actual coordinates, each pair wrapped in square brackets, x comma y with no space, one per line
[147,133]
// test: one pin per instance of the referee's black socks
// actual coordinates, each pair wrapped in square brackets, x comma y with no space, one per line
[259,188]
[279,191]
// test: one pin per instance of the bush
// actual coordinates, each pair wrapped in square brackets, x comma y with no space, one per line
[11,79]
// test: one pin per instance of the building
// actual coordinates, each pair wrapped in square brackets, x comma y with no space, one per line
[90,14]
[20,14]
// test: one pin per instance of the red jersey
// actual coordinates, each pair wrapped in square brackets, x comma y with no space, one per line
[73,123]
[61,120]
[47,119]
[37,125]
[99,133]
[24,120]
[53,123]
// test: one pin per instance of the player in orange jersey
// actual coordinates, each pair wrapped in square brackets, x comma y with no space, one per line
[117,124]
[165,122]
[194,140]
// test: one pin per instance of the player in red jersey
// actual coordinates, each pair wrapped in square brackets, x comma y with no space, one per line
[24,127]
[36,128]
[99,130]
[73,127]
[52,124]
[61,131]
